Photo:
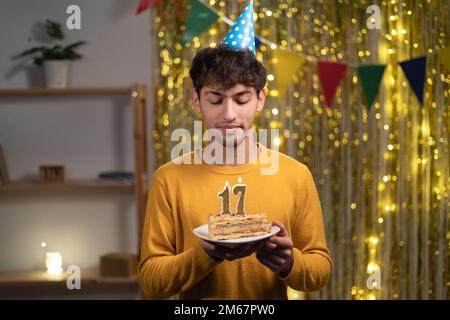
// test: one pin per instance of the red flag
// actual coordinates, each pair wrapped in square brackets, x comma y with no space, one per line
[145,4]
[330,74]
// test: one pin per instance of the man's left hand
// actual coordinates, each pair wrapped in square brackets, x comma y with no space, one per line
[277,252]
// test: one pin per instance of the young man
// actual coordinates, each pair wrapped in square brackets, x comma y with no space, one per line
[228,91]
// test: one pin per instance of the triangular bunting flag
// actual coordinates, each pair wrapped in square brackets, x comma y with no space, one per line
[330,74]
[145,4]
[370,77]
[444,57]
[242,33]
[286,66]
[414,71]
[257,42]
[199,18]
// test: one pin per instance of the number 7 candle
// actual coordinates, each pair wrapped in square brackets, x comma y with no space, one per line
[240,188]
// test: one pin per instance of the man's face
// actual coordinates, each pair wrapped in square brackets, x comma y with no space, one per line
[231,111]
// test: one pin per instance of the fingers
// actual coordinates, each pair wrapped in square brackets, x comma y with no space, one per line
[283,231]
[277,259]
[270,245]
[279,263]
[283,253]
[275,264]
[280,242]
[267,263]
[207,245]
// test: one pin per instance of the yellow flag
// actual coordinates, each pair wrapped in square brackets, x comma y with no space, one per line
[286,65]
[444,56]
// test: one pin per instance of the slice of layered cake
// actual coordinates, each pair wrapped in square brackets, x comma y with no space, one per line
[233,226]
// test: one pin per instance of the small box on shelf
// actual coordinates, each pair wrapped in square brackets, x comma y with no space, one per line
[118,265]
[52,173]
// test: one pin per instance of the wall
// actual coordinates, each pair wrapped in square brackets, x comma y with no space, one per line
[87,134]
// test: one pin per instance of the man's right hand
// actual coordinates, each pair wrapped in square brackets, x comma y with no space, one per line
[220,253]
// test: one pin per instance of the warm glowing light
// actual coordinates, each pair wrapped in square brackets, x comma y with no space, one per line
[274,93]
[43,244]
[425,129]
[372,267]
[270,77]
[373,240]
[53,262]
[275,111]
[277,141]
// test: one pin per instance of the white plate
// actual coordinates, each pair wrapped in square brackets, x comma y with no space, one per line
[202,233]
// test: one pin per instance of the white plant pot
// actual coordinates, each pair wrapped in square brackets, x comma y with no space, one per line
[56,73]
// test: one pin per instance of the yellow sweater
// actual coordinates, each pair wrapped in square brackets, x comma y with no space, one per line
[183,195]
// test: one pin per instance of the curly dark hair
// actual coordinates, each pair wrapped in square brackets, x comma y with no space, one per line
[225,67]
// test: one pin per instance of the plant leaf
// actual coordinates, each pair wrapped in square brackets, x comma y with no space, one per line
[54,30]
[29,52]
[74,45]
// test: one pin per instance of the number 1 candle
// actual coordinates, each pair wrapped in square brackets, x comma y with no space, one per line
[225,195]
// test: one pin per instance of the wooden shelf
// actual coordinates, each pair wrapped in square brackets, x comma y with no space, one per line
[68,185]
[36,277]
[38,283]
[63,91]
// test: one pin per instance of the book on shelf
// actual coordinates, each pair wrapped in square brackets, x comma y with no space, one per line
[4,177]
[116,175]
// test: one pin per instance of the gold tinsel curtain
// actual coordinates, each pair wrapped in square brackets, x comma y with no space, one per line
[382,173]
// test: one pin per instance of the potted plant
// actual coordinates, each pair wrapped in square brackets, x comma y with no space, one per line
[55,59]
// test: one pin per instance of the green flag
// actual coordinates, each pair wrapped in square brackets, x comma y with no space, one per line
[370,76]
[199,18]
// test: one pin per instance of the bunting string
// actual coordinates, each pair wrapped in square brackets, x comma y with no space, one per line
[201,16]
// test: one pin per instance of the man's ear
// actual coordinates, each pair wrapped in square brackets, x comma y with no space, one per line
[195,100]
[261,99]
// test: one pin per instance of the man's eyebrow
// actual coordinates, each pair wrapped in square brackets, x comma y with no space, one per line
[241,93]
[238,94]
[216,93]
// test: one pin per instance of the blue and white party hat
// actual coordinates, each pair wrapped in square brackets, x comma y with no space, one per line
[242,34]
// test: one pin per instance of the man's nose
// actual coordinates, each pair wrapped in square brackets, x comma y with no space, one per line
[230,113]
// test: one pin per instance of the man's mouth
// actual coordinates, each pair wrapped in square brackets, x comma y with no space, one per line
[229,127]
